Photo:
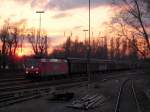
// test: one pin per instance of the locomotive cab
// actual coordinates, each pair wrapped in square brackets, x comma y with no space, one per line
[32,68]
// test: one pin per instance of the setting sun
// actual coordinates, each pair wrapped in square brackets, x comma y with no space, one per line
[24,52]
[20,54]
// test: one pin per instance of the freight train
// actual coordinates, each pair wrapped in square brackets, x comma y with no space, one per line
[71,66]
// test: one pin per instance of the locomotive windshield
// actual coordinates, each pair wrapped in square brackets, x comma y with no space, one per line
[31,62]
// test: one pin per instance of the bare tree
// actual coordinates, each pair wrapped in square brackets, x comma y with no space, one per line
[117,48]
[13,40]
[124,49]
[112,48]
[124,31]
[135,14]
[39,45]
[68,46]
[4,37]
[9,36]
[132,46]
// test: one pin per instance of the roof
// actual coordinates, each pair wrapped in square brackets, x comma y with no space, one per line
[53,60]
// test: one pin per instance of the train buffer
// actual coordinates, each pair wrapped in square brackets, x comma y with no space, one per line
[87,102]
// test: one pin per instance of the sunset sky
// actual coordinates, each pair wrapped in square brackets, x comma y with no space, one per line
[60,16]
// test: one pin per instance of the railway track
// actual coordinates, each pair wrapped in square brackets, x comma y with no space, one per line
[27,94]
[39,84]
[11,79]
[127,99]
[7,84]
[19,92]
[143,99]
[15,82]
[21,77]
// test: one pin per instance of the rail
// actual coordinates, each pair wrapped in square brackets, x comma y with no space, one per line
[117,107]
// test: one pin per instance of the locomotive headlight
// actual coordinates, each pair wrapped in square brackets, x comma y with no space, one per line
[37,70]
[27,72]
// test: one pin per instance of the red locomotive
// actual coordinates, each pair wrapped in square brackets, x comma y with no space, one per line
[46,67]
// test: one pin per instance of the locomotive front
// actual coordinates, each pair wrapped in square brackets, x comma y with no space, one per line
[32,67]
[46,67]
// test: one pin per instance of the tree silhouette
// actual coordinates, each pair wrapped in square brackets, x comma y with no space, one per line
[39,45]
[135,13]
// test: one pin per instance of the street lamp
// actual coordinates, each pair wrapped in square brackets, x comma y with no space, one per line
[40,12]
[39,32]
[85,32]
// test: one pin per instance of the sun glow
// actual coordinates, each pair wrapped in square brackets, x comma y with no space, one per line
[20,54]
[24,52]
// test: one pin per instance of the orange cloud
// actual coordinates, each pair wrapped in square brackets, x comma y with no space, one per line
[60,15]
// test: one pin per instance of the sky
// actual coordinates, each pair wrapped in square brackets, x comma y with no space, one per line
[69,16]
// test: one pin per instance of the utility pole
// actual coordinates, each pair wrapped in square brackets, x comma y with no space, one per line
[89,47]
[86,43]
[89,29]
